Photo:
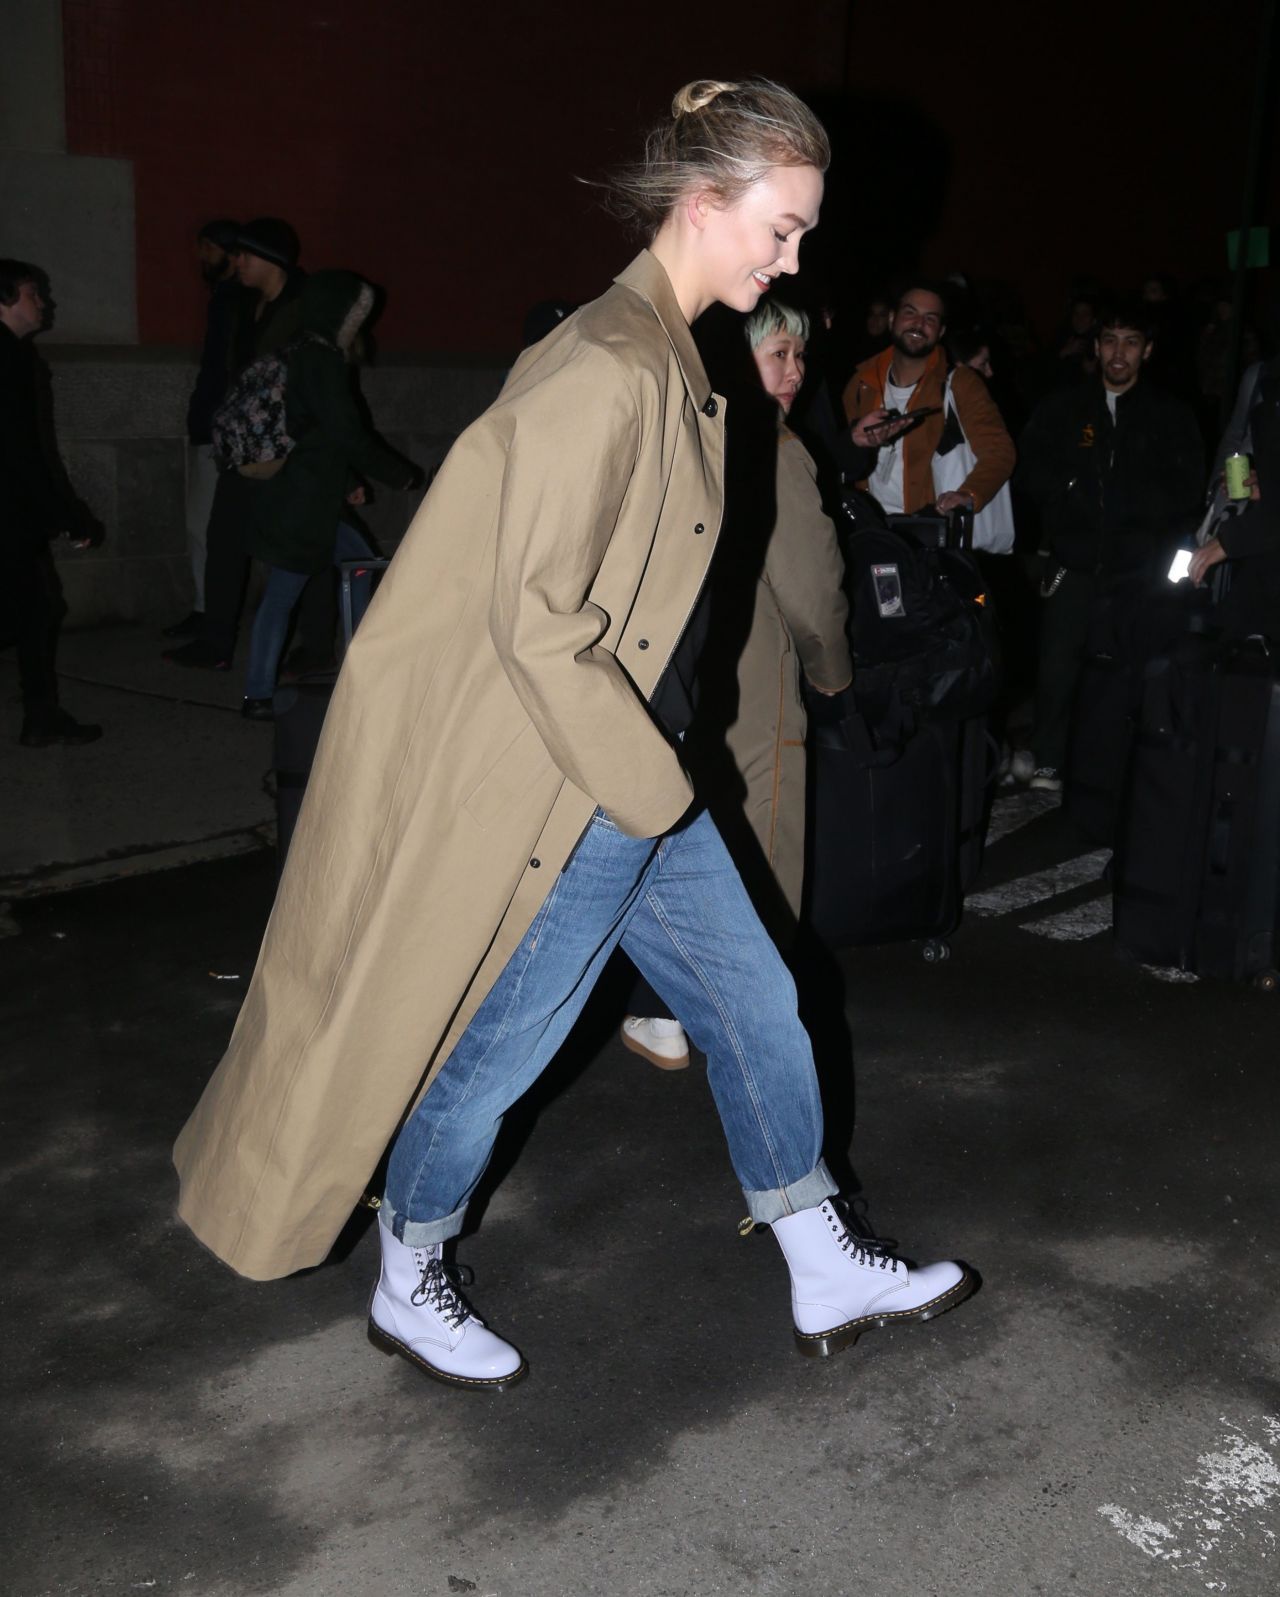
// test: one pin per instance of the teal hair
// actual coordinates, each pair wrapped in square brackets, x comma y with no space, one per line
[772,316]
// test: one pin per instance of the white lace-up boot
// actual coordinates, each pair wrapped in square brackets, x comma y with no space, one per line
[843,1285]
[416,1311]
[662,1042]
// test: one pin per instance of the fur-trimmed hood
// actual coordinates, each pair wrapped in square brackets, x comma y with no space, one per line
[335,305]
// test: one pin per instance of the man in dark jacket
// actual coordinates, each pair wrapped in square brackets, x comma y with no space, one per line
[214,244]
[35,506]
[266,255]
[1115,466]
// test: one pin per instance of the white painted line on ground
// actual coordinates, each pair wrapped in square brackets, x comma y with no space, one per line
[1026,890]
[1169,973]
[1074,925]
[1224,1512]
[1016,810]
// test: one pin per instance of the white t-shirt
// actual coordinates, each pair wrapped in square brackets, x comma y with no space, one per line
[1111,401]
[886,478]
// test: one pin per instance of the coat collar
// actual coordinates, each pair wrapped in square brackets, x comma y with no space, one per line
[646,277]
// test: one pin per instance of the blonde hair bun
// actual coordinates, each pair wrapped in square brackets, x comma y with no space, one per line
[694,96]
[722,137]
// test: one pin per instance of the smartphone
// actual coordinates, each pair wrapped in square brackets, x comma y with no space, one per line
[908,415]
[1181,565]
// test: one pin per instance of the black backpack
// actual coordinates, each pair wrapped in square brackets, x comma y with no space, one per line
[919,623]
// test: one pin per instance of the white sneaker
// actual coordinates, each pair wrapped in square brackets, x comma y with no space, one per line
[1046,779]
[843,1285]
[417,1312]
[661,1042]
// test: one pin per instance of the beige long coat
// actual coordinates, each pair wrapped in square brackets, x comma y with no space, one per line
[494,696]
[798,625]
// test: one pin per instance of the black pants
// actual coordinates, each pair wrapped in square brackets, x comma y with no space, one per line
[30,618]
[226,564]
[1066,621]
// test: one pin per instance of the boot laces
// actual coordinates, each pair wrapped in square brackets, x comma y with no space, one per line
[436,1289]
[863,1247]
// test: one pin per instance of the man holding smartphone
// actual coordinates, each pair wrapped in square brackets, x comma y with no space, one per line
[1115,466]
[910,378]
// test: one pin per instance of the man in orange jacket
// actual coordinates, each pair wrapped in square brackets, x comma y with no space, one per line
[911,376]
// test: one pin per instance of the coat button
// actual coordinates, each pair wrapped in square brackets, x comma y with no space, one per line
[710,408]
[534,864]
[643,643]
[699,528]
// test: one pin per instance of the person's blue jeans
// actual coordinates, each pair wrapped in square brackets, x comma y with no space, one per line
[279,600]
[679,909]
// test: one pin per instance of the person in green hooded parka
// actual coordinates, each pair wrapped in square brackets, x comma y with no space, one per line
[297,527]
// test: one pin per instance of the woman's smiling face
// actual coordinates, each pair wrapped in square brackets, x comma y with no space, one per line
[757,239]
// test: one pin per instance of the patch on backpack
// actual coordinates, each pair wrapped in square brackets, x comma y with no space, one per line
[888,586]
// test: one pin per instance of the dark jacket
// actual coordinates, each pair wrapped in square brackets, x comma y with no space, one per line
[228,310]
[280,322]
[35,500]
[298,510]
[1114,498]
[1252,538]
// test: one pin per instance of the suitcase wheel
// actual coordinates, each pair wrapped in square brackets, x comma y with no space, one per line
[936,949]
[1267,981]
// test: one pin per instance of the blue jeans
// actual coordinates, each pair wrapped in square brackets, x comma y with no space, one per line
[679,909]
[279,600]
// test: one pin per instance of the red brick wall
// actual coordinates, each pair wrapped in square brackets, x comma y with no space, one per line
[435,149]
[432,148]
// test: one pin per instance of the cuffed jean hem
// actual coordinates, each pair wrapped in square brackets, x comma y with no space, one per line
[421,1233]
[807,1193]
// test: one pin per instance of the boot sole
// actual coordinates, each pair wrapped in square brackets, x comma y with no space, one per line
[655,1059]
[389,1344]
[822,1344]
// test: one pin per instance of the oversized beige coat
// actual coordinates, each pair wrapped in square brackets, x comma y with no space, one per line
[493,697]
[798,625]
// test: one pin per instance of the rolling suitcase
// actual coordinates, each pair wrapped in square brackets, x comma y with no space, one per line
[1197,874]
[1131,628]
[895,834]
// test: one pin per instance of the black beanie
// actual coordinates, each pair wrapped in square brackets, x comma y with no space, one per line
[272,239]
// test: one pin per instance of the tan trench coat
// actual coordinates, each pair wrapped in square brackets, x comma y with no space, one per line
[494,696]
[798,625]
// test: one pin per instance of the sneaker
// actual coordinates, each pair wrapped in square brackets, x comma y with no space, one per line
[40,732]
[258,710]
[1046,779]
[200,655]
[661,1042]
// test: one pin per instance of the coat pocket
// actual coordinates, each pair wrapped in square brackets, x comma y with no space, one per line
[510,779]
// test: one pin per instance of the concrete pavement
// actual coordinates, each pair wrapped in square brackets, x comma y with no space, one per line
[178,776]
[1100,1418]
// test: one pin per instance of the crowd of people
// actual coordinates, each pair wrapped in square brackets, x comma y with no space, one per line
[515,780]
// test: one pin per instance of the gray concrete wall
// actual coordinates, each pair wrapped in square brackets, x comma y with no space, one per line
[120,416]
[71,214]
[32,91]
